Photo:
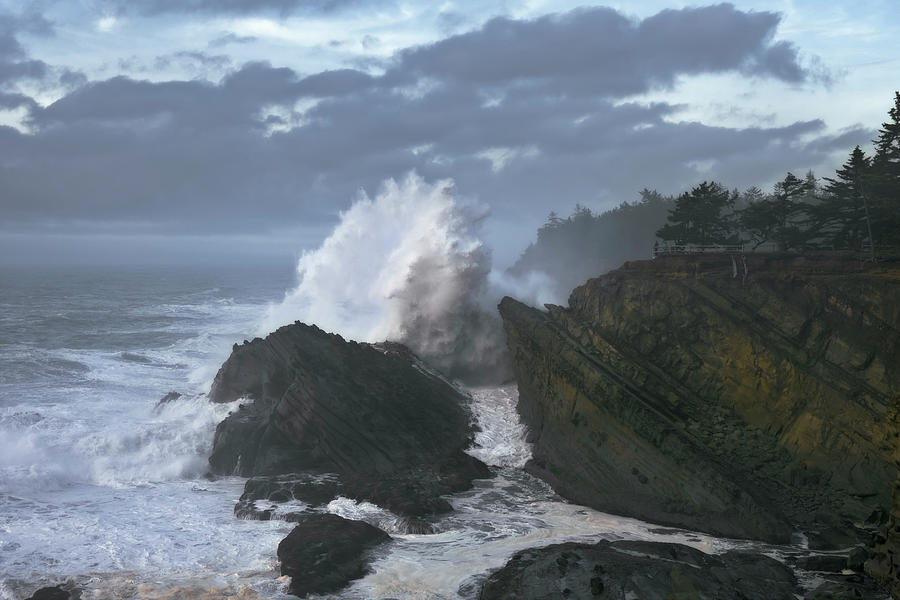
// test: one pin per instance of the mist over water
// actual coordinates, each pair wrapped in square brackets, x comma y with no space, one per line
[409,265]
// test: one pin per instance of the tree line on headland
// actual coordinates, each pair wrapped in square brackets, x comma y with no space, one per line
[857,209]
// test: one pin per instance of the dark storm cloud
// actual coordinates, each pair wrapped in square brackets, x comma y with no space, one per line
[16,66]
[13,100]
[600,51]
[525,114]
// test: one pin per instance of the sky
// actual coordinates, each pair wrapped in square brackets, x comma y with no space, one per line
[216,131]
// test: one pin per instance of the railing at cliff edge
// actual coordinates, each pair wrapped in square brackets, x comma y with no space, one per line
[691,249]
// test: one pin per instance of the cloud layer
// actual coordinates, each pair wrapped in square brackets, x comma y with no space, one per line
[529,115]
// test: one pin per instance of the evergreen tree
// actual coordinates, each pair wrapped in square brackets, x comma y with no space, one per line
[883,183]
[790,212]
[781,217]
[841,217]
[697,217]
[758,221]
[751,216]
[750,196]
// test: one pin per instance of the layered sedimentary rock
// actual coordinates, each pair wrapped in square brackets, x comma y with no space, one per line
[393,431]
[744,397]
[646,570]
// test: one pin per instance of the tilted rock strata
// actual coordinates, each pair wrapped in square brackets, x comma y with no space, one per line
[372,414]
[646,570]
[685,392]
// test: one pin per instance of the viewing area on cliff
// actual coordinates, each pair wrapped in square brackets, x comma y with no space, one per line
[863,253]
[682,249]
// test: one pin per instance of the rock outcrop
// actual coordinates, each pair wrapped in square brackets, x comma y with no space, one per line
[324,553]
[744,397]
[56,592]
[646,570]
[393,431]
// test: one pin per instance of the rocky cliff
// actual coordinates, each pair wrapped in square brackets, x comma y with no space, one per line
[393,431]
[745,397]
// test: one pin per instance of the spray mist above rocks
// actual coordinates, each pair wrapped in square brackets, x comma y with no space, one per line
[407,265]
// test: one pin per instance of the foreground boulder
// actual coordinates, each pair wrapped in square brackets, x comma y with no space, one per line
[326,552]
[392,430]
[50,593]
[645,570]
[747,397]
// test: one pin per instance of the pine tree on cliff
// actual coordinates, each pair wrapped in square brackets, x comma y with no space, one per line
[884,182]
[697,217]
[782,217]
[791,212]
[842,217]
[757,221]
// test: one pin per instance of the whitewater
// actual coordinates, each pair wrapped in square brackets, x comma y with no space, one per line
[103,484]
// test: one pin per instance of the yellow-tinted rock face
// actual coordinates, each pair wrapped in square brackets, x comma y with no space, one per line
[751,405]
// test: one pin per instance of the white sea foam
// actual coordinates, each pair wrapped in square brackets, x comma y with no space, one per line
[407,265]
[490,523]
[94,477]
[501,439]
[368,512]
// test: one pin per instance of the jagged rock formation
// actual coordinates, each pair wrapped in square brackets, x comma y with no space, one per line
[392,430]
[646,570]
[693,392]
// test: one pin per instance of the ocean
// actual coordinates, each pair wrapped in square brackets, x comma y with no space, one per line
[103,485]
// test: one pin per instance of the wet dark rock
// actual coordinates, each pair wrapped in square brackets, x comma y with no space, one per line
[829,563]
[856,560]
[324,553]
[311,489]
[264,498]
[415,526]
[645,570]
[672,391]
[57,592]
[853,587]
[373,414]
[170,397]
[136,358]
[167,399]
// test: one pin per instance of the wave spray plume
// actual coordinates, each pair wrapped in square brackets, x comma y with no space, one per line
[406,266]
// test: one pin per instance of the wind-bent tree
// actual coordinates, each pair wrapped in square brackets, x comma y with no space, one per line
[697,217]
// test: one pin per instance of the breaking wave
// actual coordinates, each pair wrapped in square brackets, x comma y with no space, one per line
[407,265]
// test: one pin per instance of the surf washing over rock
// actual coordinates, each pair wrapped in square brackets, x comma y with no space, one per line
[409,265]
